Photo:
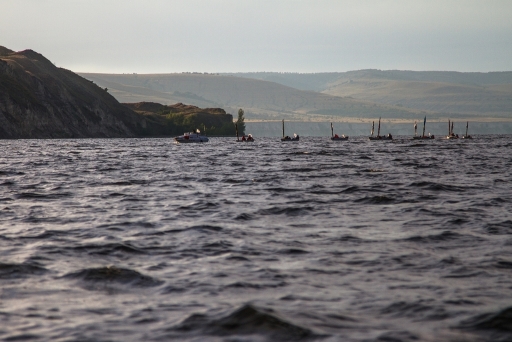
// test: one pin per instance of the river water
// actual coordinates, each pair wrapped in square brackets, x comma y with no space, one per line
[146,240]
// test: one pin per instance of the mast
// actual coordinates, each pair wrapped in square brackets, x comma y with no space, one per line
[378,131]
[373,127]
[424,122]
[283,128]
[332,131]
[449,131]
[452,127]
[467,124]
[415,129]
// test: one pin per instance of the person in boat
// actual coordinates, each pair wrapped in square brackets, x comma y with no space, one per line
[287,137]
[336,136]
[243,138]
[390,136]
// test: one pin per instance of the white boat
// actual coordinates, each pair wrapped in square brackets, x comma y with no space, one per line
[192,137]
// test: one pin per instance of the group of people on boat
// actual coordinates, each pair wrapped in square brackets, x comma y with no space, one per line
[288,138]
[248,139]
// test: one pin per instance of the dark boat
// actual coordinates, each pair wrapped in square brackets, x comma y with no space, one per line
[379,137]
[288,138]
[336,137]
[423,136]
[467,136]
[451,135]
[249,137]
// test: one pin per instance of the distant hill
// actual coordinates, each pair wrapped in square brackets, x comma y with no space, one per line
[259,99]
[447,93]
[39,100]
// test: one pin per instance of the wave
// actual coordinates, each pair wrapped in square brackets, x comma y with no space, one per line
[444,236]
[112,274]
[418,309]
[433,186]
[499,228]
[376,200]
[293,211]
[12,271]
[108,249]
[499,321]
[247,320]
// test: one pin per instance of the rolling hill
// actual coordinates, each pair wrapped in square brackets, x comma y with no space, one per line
[260,99]
[447,93]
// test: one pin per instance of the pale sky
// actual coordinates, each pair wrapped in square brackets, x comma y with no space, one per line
[165,36]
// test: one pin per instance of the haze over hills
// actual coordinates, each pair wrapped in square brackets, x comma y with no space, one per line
[260,99]
[363,94]
[448,93]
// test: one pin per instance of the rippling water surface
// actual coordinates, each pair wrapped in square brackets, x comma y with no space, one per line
[146,240]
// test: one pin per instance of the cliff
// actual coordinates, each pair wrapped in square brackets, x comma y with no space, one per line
[39,100]
[180,117]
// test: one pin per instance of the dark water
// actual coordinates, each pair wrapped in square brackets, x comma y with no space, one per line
[145,240]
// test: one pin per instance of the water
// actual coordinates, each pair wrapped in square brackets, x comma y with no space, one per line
[145,240]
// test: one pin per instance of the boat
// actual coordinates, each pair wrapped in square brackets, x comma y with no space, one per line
[192,137]
[466,136]
[451,135]
[336,137]
[423,136]
[249,137]
[288,138]
[379,137]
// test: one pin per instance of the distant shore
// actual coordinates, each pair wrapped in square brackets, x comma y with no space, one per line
[387,120]
[363,128]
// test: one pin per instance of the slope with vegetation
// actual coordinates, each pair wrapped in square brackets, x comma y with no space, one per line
[179,118]
[39,100]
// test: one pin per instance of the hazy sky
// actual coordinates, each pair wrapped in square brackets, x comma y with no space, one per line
[163,36]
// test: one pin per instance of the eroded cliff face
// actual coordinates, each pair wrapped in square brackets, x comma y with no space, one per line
[39,100]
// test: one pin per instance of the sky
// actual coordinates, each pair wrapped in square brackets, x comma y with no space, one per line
[167,36]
